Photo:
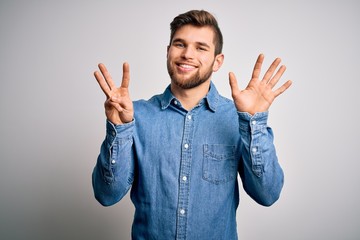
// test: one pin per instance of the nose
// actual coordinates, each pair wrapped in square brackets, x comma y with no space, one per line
[188,53]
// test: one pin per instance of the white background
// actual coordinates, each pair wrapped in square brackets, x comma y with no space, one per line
[52,117]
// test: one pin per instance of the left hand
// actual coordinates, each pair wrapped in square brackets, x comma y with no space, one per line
[259,94]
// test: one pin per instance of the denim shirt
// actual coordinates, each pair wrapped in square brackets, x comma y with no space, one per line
[182,166]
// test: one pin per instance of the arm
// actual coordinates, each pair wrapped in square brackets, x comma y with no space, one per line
[260,172]
[113,173]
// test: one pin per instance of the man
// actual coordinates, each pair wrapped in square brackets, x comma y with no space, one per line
[180,151]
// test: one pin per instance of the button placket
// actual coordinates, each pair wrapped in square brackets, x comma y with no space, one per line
[185,169]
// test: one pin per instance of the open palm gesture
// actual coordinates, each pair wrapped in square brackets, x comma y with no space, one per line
[259,94]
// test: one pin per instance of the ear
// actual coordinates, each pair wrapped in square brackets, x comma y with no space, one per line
[167,50]
[219,59]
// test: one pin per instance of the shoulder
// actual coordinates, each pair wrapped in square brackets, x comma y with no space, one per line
[224,102]
[152,104]
[218,101]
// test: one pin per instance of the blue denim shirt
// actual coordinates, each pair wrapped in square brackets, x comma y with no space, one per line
[182,166]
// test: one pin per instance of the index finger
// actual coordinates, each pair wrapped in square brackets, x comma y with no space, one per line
[103,83]
[126,75]
[107,76]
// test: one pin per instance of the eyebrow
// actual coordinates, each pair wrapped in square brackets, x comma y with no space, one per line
[204,44]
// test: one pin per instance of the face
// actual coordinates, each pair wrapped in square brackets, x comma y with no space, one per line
[191,56]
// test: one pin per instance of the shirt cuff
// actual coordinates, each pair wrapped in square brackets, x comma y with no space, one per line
[118,131]
[248,122]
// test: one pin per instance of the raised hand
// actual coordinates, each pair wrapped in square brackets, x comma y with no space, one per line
[118,105]
[259,94]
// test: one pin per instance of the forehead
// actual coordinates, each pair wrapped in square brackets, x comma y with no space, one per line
[195,34]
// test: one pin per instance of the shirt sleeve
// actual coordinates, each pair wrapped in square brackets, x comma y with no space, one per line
[260,171]
[114,171]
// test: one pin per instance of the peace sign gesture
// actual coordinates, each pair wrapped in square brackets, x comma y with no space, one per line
[118,105]
[259,94]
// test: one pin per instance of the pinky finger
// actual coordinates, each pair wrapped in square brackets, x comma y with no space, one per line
[283,88]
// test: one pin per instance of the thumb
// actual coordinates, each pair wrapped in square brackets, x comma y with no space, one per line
[233,82]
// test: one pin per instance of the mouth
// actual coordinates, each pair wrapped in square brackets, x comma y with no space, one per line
[184,67]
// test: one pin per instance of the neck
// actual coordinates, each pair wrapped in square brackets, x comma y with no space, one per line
[189,98]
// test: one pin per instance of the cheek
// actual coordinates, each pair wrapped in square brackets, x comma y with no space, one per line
[205,60]
[208,62]
[170,53]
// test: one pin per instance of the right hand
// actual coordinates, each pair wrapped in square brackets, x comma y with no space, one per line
[118,105]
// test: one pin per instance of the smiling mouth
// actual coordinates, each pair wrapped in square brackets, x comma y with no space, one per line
[185,67]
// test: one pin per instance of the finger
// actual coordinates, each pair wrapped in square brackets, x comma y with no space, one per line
[107,76]
[233,83]
[283,88]
[117,99]
[126,76]
[103,84]
[257,67]
[271,70]
[115,105]
[277,76]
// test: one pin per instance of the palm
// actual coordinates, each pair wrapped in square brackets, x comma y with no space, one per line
[258,95]
[121,112]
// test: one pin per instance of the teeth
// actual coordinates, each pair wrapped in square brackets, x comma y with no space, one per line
[186,66]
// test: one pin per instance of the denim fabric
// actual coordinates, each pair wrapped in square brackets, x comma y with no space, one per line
[182,166]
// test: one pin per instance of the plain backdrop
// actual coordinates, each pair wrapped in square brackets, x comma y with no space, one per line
[53,122]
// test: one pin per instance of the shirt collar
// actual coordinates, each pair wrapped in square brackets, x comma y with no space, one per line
[211,99]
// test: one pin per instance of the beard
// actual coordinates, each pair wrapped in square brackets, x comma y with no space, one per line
[193,81]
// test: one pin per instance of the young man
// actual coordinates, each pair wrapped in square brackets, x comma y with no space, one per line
[180,151]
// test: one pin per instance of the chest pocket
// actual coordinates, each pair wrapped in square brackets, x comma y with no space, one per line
[219,165]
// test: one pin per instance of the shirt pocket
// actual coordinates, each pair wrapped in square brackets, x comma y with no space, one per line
[219,165]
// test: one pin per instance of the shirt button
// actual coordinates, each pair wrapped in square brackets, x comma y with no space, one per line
[113,161]
[113,133]
[182,211]
[254,150]
[189,117]
[186,146]
[184,178]
[175,102]
[253,122]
